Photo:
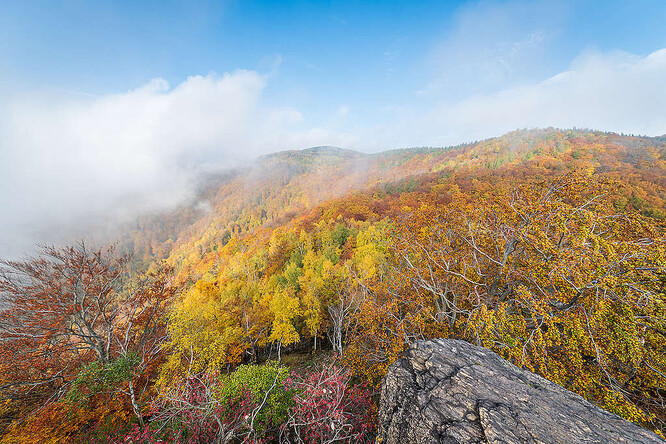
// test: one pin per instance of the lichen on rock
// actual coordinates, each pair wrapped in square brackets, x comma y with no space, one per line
[449,391]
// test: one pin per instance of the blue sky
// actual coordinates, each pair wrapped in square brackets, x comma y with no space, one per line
[365,56]
[119,105]
[109,46]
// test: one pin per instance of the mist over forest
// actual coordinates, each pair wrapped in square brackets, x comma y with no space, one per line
[235,221]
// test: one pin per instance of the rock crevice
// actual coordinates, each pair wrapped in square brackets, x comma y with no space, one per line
[449,391]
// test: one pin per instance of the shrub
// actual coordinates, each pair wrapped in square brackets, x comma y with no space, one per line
[194,410]
[329,409]
[265,386]
[140,435]
[260,404]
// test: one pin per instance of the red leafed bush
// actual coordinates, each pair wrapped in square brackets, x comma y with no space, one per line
[195,413]
[140,435]
[329,409]
[322,407]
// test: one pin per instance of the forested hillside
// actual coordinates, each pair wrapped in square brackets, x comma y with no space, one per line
[546,246]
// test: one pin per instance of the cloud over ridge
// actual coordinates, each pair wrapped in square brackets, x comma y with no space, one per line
[72,160]
[614,91]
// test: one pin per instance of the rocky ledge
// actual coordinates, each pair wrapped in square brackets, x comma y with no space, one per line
[449,391]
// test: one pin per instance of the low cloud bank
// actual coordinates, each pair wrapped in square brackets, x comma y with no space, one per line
[70,164]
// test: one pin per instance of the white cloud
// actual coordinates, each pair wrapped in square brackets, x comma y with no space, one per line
[68,161]
[492,45]
[613,92]
[507,65]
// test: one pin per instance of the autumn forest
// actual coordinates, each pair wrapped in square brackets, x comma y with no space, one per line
[269,307]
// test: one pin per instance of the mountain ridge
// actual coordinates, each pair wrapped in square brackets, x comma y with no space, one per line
[289,182]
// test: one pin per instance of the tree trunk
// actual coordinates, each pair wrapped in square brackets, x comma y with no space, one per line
[135,406]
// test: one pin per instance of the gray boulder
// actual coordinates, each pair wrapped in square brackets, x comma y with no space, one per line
[449,391]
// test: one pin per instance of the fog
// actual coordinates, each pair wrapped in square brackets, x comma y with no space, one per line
[72,164]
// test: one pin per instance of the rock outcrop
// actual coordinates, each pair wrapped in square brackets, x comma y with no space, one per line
[449,391]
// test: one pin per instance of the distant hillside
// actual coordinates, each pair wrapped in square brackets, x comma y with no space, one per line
[315,155]
[281,185]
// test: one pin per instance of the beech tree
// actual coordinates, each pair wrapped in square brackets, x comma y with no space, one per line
[72,310]
[553,278]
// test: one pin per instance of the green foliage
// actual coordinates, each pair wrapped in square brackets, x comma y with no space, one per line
[266,385]
[340,234]
[96,377]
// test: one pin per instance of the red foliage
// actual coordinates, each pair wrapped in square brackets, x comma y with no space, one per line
[329,409]
[140,435]
[70,307]
[194,410]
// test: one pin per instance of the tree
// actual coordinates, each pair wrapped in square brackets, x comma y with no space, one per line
[285,308]
[553,278]
[72,308]
[342,306]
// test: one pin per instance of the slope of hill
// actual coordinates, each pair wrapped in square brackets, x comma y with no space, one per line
[319,247]
[279,186]
[545,246]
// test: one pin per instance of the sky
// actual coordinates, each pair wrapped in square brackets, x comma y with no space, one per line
[113,108]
